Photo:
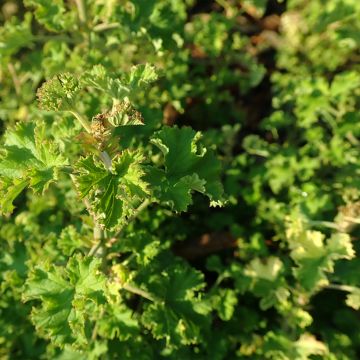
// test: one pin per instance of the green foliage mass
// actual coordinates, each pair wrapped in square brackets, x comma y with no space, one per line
[179,179]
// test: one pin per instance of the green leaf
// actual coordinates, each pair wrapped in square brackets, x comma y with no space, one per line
[99,79]
[254,145]
[124,114]
[68,297]
[314,256]
[280,346]
[71,240]
[119,88]
[353,298]
[15,35]
[315,259]
[27,159]
[345,83]
[267,281]
[224,302]
[188,167]
[117,322]
[9,191]
[51,14]
[141,244]
[179,316]
[141,76]
[114,194]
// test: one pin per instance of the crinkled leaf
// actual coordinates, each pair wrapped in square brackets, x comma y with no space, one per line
[266,281]
[224,302]
[188,167]
[70,240]
[314,256]
[353,298]
[124,114]
[179,315]
[114,194]
[51,14]
[27,159]
[15,35]
[117,322]
[142,245]
[9,191]
[67,296]
[99,79]
[118,88]
[141,76]
[280,346]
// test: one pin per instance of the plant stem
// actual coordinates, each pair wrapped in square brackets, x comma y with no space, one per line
[98,238]
[137,212]
[340,287]
[81,10]
[104,156]
[62,38]
[98,234]
[352,219]
[95,247]
[327,224]
[84,122]
[95,330]
[104,27]
[106,159]
[67,169]
[15,79]
[138,291]
[140,209]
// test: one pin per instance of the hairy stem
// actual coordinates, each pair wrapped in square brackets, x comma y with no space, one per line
[83,121]
[138,291]
[98,238]
[98,234]
[106,159]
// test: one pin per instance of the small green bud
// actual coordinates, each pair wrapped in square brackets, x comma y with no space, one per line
[58,93]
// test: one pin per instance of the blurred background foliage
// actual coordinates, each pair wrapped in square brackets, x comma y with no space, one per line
[275,88]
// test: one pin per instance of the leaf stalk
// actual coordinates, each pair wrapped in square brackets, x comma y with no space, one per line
[83,121]
[139,292]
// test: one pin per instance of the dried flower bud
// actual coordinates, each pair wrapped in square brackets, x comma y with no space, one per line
[100,130]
